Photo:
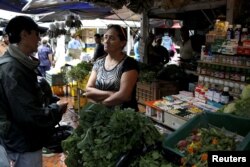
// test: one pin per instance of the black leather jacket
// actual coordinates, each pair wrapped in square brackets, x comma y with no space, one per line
[24,122]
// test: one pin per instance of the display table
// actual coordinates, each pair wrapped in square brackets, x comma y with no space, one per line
[174,111]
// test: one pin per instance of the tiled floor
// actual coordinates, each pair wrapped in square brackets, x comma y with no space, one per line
[70,118]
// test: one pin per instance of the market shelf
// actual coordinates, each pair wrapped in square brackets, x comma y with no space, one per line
[226,65]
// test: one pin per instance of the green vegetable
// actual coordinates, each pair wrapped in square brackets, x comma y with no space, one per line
[245,92]
[148,73]
[242,107]
[79,72]
[106,135]
[239,107]
[152,158]
[230,108]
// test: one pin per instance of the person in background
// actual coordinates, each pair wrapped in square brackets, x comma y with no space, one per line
[4,43]
[136,49]
[161,51]
[154,58]
[45,56]
[99,48]
[186,49]
[167,42]
[25,124]
[75,46]
[75,42]
[113,78]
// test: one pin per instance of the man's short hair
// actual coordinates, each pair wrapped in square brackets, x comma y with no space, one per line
[19,23]
[97,36]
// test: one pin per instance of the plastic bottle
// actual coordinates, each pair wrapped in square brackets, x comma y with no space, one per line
[224,99]
[244,34]
[237,32]
[230,32]
[203,47]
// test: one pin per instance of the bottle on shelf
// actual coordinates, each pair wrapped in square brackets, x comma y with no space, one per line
[230,32]
[244,34]
[224,99]
[217,91]
[237,76]
[248,76]
[203,47]
[237,33]
[208,71]
[198,70]
[237,88]
[243,75]
[212,70]
[222,72]
[232,74]
[227,73]
[203,69]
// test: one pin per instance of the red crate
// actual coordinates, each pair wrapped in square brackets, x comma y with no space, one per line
[155,90]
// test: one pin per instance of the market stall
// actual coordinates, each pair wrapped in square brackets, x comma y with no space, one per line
[211,115]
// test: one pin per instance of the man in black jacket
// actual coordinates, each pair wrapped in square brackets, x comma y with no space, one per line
[25,122]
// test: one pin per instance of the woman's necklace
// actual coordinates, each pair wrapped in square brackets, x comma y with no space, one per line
[110,64]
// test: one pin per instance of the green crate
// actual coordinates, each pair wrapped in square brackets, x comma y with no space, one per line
[229,122]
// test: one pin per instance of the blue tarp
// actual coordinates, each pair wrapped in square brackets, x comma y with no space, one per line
[17,6]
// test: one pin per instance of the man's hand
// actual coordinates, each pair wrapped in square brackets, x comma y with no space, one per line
[63,107]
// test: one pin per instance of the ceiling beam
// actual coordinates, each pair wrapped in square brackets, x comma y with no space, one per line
[190,7]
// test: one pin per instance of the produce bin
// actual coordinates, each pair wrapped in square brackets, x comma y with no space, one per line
[155,90]
[55,79]
[234,124]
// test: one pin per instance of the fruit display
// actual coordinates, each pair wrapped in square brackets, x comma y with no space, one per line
[208,131]
[201,140]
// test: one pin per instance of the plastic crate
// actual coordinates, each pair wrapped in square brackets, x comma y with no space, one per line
[234,124]
[155,90]
[55,79]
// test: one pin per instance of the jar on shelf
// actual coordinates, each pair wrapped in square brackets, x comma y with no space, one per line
[242,86]
[224,59]
[235,60]
[248,76]
[198,69]
[227,73]
[237,75]
[243,75]
[222,72]
[231,85]
[201,80]
[244,34]
[239,61]
[226,83]
[203,69]
[224,99]
[248,62]
[228,60]
[208,70]
[232,74]
[237,88]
